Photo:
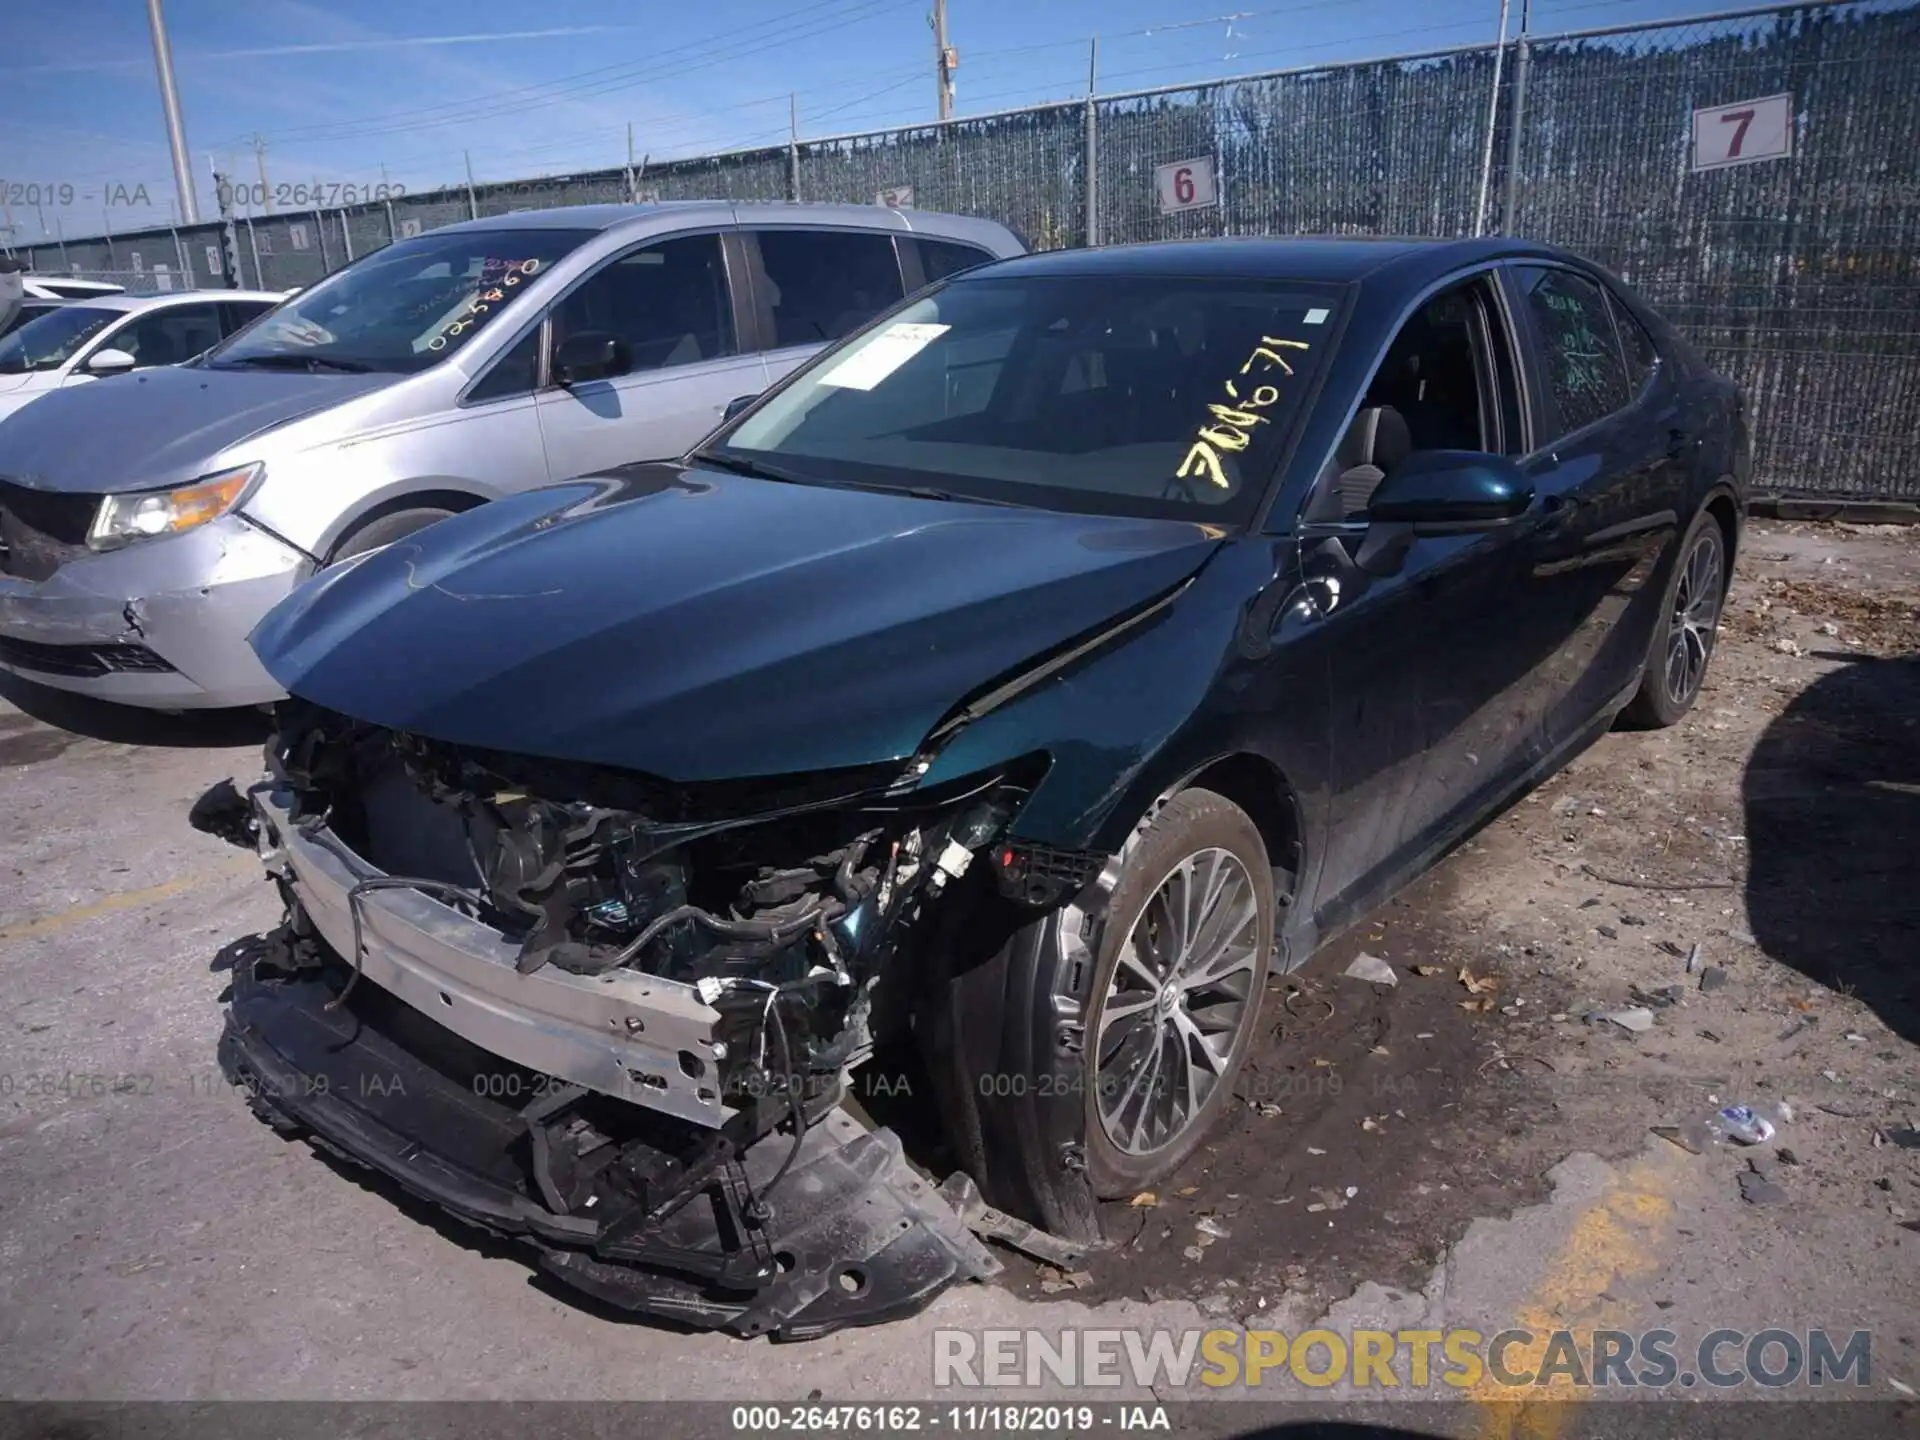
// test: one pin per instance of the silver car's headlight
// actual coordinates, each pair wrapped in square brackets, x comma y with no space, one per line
[147,514]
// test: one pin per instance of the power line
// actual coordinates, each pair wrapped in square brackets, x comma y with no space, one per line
[696,57]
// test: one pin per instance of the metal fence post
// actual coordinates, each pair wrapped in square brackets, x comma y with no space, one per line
[320,234]
[253,244]
[1516,117]
[393,231]
[473,205]
[1093,144]
[180,255]
[346,235]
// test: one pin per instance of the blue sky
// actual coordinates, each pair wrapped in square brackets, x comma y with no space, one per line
[346,90]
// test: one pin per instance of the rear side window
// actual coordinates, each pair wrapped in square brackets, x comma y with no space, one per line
[818,285]
[1586,378]
[238,314]
[1635,343]
[941,258]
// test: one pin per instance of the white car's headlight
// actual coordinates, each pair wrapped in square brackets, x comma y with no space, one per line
[147,514]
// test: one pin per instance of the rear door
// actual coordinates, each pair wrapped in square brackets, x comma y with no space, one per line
[811,285]
[1609,464]
[672,303]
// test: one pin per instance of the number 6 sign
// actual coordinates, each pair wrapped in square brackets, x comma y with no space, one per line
[1185,185]
[1736,134]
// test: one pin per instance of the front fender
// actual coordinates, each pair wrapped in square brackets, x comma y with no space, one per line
[1133,720]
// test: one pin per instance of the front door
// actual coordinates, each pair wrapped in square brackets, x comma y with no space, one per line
[669,302]
[1421,670]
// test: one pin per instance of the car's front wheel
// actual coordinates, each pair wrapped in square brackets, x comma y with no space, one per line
[1181,969]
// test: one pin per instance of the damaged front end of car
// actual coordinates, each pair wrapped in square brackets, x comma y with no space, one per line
[621,1018]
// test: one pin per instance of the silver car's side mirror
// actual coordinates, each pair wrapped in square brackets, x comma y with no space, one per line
[110,361]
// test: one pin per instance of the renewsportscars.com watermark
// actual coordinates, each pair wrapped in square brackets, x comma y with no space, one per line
[1401,1359]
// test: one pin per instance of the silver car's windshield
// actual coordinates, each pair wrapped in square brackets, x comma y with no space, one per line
[48,342]
[402,308]
[1133,395]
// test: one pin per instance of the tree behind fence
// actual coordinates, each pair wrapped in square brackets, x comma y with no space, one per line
[1795,276]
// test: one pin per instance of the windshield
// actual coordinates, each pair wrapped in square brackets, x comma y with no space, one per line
[1130,395]
[49,341]
[402,308]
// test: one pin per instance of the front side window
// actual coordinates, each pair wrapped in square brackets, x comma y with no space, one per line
[822,284]
[54,338]
[515,373]
[667,302]
[1140,395]
[404,307]
[171,336]
[1586,378]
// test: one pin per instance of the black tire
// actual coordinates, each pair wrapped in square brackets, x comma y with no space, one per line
[1193,826]
[384,530]
[1689,615]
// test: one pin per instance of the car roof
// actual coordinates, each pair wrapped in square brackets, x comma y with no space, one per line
[746,212]
[170,297]
[1327,259]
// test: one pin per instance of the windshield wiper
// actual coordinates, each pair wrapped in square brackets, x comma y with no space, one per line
[752,468]
[290,361]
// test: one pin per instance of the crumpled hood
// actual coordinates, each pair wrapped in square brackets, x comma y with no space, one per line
[158,427]
[697,625]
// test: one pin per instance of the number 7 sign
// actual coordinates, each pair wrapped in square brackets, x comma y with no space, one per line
[1748,130]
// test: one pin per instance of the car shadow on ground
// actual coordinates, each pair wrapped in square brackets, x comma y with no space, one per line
[82,715]
[1832,798]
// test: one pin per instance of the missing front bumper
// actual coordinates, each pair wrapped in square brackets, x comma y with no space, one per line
[850,1236]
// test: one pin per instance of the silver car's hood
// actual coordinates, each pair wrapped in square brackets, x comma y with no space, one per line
[160,427]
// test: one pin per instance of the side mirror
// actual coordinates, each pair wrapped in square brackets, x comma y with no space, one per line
[590,355]
[1441,492]
[736,405]
[110,362]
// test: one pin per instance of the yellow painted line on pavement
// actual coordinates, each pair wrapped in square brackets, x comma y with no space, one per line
[1619,1236]
[126,900]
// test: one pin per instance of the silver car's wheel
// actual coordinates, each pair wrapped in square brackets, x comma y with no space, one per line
[1178,1002]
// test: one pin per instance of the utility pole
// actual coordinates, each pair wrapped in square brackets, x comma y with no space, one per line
[170,103]
[1516,117]
[1093,143]
[633,192]
[1493,114]
[793,145]
[473,205]
[260,159]
[945,59]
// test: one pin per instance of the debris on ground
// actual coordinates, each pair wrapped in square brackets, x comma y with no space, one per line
[1713,978]
[1053,1281]
[1211,1228]
[1372,969]
[1144,1200]
[1906,1138]
[1756,1189]
[1638,1018]
[1693,960]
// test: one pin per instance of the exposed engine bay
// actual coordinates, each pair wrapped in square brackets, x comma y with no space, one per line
[701,970]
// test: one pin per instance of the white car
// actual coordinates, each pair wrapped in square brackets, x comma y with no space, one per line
[54,287]
[85,340]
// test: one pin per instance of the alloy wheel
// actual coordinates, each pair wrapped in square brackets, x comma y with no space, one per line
[1181,994]
[1696,614]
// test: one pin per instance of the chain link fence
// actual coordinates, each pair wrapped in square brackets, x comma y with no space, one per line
[1796,276]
